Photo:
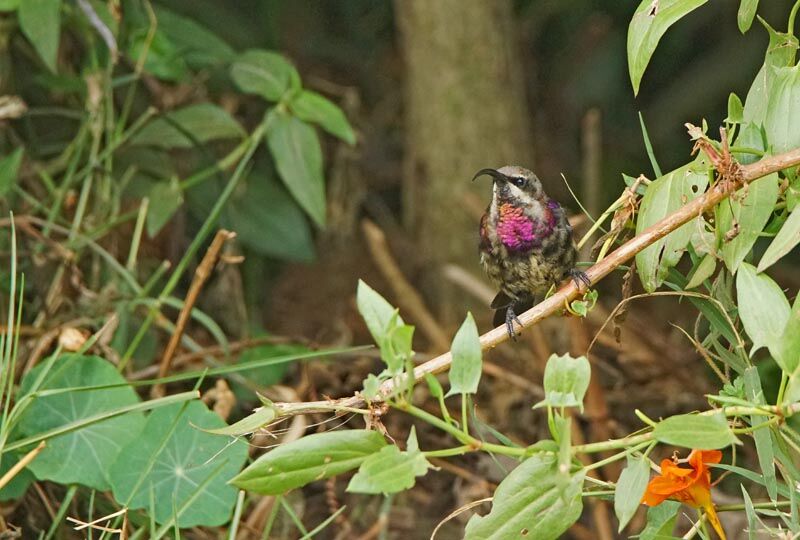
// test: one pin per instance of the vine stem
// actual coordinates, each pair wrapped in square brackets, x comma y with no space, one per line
[720,191]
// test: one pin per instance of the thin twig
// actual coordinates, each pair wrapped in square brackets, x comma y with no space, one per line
[201,275]
[720,191]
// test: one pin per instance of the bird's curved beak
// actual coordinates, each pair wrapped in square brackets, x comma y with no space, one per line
[496,175]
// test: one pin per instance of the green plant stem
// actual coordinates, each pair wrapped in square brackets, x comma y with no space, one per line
[792,16]
[276,506]
[772,421]
[782,388]
[616,457]
[761,506]
[448,452]
[464,424]
[613,444]
[62,511]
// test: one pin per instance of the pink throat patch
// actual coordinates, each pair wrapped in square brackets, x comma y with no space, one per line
[514,229]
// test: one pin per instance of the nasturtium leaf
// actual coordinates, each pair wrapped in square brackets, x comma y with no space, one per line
[533,501]
[377,313]
[265,73]
[82,456]
[763,309]
[630,488]
[660,521]
[298,157]
[780,53]
[465,371]
[649,23]
[751,213]
[746,14]
[268,221]
[566,380]
[18,485]
[9,168]
[663,197]
[186,127]
[766,457]
[312,107]
[198,45]
[181,466]
[313,457]
[389,471]
[784,242]
[735,109]
[40,21]
[697,431]
[165,199]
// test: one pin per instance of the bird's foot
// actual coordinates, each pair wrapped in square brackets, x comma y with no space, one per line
[578,277]
[510,318]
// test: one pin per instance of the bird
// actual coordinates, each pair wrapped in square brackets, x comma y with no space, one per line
[526,243]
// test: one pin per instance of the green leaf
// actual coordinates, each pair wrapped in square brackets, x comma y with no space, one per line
[649,23]
[735,110]
[264,73]
[763,309]
[198,45]
[533,501]
[189,126]
[9,169]
[18,485]
[663,197]
[165,199]
[565,381]
[180,466]
[660,521]
[434,386]
[704,270]
[746,14]
[267,220]
[787,356]
[465,371]
[389,471]
[372,385]
[702,432]
[784,242]
[751,214]
[164,59]
[630,488]
[298,157]
[780,53]
[783,109]
[378,314]
[313,457]
[247,425]
[9,5]
[312,107]
[82,456]
[766,457]
[40,21]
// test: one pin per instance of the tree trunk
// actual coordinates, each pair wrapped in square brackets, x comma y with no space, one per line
[465,110]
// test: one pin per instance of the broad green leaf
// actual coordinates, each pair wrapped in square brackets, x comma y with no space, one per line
[533,501]
[793,194]
[181,466]
[660,521]
[763,309]
[313,457]
[630,488]
[249,424]
[9,168]
[298,157]
[198,45]
[784,242]
[377,313]
[9,5]
[788,356]
[18,485]
[465,371]
[704,270]
[267,220]
[312,107]
[389,471]
[82,456]
[702,432]
[751,214]
[265,73]
[766,457]
[165,199]
[746,14]
[40,21]
[783,109]
[663,197]
[735,110]
[780,53]
[189,126]
[566,380]
[649,23]
[164,59]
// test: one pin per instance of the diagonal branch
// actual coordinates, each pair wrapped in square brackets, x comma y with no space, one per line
[730,180]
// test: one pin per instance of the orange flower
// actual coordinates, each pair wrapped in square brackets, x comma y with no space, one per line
[691,486]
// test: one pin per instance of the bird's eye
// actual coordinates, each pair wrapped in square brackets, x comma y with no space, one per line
[518,181]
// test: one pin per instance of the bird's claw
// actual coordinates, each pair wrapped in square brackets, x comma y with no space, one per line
[510,318]
[578,277]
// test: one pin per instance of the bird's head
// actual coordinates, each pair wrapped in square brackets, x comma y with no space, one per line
[514,184]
